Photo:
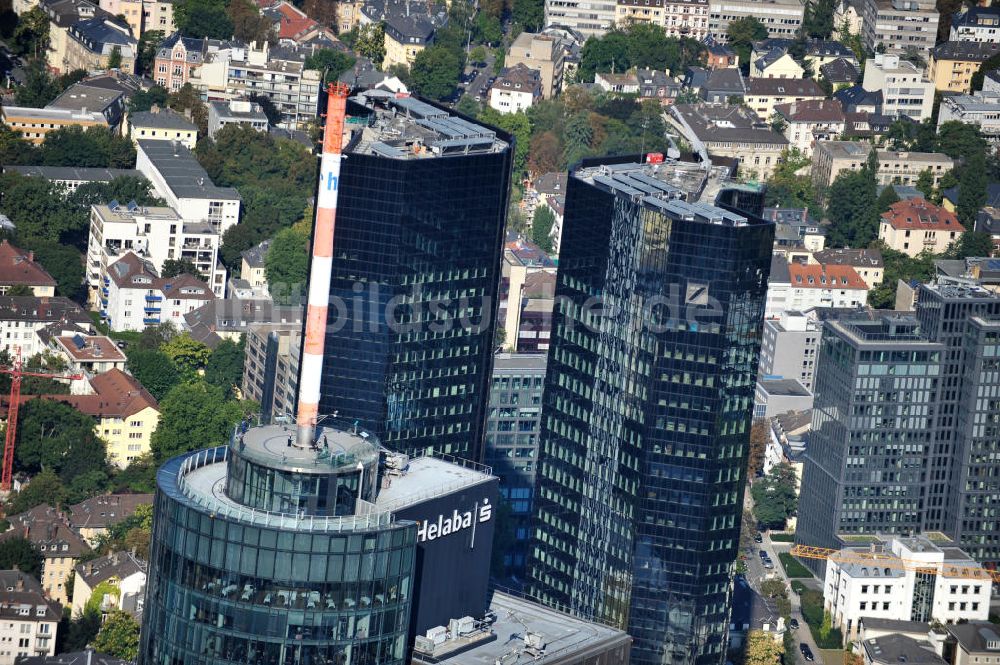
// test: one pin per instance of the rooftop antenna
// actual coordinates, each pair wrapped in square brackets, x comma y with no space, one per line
[311,371]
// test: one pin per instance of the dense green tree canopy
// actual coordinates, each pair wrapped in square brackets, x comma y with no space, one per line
[203,18]
[44,488]
[742,33]
[541,227]
[195,415]
[529,14]
[786,188]
[20,553]
[154,370]
[853,209]
[334,62]
[775,496]
[186,353]
[287,265]
[174,267]
[435,72]
[225,366]
[643,45]
[118,636]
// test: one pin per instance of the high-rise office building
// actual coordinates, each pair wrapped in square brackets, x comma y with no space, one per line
[512,427]
[873,431]
[648,400]
[264,551]
[416,273]
[905,424]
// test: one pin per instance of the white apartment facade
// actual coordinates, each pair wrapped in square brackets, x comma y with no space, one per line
[882,581]
[899,25]
[28,620]
[154,234]
[782,18]
[588,17]
[905,89]
[981,109]
[133,297]
[22,317]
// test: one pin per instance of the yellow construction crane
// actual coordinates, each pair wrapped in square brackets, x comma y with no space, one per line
[881,559]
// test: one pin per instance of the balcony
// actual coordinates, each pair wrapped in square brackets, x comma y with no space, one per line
[153,298]
[151,310]
[104,290]
[107,280]
[148,320]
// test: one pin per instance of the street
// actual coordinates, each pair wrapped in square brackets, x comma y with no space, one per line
[756,573]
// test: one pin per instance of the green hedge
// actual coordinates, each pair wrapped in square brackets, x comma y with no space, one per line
[782,537]
[812,612]
[793,568]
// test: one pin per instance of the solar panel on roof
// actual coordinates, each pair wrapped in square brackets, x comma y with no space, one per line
[79,342]
[616,186]
[114,204]
[132,206]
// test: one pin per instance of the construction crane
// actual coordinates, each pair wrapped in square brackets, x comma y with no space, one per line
[16,371]
[880,559]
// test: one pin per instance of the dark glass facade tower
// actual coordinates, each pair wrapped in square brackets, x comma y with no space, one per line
[416,274]
[870,451]
[647,404]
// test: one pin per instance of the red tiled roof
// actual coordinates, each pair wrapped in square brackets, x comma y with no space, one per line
[118,395]
[96,347]
[293,22]
[919,214]
[19,267]
[815,276]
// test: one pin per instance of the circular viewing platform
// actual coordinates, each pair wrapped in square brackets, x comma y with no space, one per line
[338,446]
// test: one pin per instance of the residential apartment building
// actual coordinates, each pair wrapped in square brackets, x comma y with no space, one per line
[976,24]
[134,297]
[34,123]
[143,15]
[811,121]
[152,234]
[543,53]
[231,318]
[894,167]
[271,369]
[60,547]
[516,89]
[867,263]
[119,578]
[512,430]
[235,112]
[180,180]
[162,125]
[82,97]
[93,42]
[952,64]
[905,90]
[774,397]
[774,63]
[782,18]
[587,17]
[981,109]
[18,269]
[972,642]
[881,580]
[897,25]
[730,131]
[178,56]
[799,287]
[84,354]
[253,267]
[637,509]
[278,73]
[62,15]
[789,346]
[22,317]
[28,620]
[764,94]
[915,225]
[92,517]
[680,18]
[405,37]
[527,291]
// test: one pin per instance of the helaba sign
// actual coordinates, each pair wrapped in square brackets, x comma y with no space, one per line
[457,521]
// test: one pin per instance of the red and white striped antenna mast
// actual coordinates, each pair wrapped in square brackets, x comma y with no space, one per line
[310,376]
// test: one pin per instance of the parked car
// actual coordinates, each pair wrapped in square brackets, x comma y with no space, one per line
[758,538]
[768,564]
[794,624]
[807,653]
[763,554]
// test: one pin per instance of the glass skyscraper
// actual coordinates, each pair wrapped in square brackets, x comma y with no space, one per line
[648,402]
[416,274]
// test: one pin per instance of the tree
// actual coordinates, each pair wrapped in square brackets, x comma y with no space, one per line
[972,188]
[541,227]
[287,265]
[742,33]
[31,36]
[577,138]
[187,101]
[38,88]
[195,415]
[154,370]
[519,126]
[44,488]
[76,633]
[759,437]
[187,354]
[118,636]
[203,18]
[20,553]
[899,266]
[115,59]
[153,337]
[174,267]
[852,209]
[370,42]
[972,243]
[886,199]
[249,25]
[762,649]
[333,62]
[818,19]
[529,14]
[323,12]
[786,188]
[467,105]
[487,29]
[225,366]
[20,290]
[63,262]
[925,183]
[775,496]
[138,477]
[91,147]
[145,55]
[545,155]
[435,72]
[144,100]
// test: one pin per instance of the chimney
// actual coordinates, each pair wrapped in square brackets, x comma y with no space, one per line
[155,108]
[31,254]
[20,583]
